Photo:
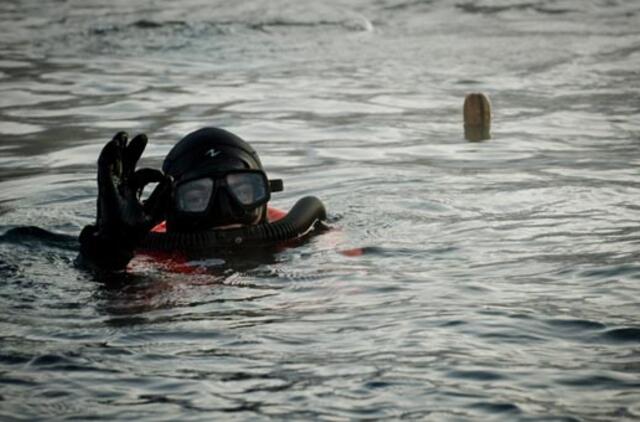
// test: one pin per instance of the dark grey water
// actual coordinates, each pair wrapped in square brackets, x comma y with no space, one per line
[500,279]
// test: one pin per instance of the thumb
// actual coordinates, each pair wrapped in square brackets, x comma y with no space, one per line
[156,205]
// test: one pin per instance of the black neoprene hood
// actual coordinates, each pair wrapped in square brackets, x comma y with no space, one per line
[208,151]
[205,148]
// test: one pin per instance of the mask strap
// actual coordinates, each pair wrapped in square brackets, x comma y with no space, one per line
[276,185]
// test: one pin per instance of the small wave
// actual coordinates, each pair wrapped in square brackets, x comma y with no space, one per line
[593,331]
[144,23]
[27,235]
[611,271]
[576,324]
[618,53]
[496,407]
[178,35]
[357,23]
[66,362]
[50,360]
[599,382]
[139,24]
[623,335]
[490,10]
[476,375]
[17,381]
[408,5]
[14,359]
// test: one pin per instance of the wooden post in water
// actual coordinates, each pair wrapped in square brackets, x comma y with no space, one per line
[477,117]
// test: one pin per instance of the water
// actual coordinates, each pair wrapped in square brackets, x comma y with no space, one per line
[499,279]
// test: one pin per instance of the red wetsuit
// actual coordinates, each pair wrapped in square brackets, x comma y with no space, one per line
[178,263]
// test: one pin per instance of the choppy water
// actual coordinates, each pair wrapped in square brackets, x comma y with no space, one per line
[500,279]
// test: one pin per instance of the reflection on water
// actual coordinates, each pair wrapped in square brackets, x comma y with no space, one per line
[498,279]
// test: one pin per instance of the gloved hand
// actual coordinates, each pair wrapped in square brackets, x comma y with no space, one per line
[122,219]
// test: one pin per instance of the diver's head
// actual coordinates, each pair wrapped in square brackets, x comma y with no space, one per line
[218,181]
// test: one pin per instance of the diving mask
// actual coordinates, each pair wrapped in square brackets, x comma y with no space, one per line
[247,188]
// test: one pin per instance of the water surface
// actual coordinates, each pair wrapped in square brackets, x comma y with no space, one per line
[499,279]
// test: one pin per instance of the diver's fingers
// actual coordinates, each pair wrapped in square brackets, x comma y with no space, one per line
[113,149]
[109,176]
[143,177]
[110,160]
[156,205]
[133,152]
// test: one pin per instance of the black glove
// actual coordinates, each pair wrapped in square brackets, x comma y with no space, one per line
[122,219]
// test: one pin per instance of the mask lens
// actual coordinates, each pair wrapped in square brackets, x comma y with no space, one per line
[194,196]
[248,188]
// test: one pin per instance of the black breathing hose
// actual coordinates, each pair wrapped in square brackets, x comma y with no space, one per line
[298,221]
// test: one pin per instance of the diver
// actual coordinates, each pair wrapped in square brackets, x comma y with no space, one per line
[211,195]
